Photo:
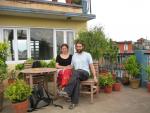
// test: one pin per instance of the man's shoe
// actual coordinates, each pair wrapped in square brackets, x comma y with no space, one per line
[63,94]
[72,106]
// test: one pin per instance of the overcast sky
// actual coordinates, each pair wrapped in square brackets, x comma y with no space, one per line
[122,19]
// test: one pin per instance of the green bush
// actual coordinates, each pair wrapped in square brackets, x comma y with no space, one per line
[78,2]
[3,57]
[43,63]
[147,69]
[106,80]
[19,66]
[18,91]
[94,40]
[52,63]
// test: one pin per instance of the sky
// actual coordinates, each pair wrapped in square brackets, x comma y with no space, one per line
[122,19]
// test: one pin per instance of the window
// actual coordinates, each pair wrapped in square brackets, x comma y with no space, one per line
[65,36]
[22,44]
[36,43]
[41,43]
[70,41]
[59,40]
[125,47]
[9,37]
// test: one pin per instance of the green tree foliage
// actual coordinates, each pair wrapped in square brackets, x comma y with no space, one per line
[3,56]
[94,40]
[147,69]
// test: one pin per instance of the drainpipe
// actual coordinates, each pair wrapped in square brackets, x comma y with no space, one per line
[85,6]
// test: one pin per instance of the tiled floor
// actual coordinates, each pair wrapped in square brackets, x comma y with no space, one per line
[127,101]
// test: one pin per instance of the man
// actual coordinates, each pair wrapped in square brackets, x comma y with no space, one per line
[82,63]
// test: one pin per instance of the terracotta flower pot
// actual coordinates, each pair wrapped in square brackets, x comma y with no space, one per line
[117,86]
[108,89]
[10,81]
[20,107]
[148,86]
[1,96]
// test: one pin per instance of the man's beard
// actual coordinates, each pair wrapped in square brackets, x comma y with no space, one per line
[79,51]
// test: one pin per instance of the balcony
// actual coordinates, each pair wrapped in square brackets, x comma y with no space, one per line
[47,9]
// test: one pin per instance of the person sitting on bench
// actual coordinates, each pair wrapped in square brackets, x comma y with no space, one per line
[82,63]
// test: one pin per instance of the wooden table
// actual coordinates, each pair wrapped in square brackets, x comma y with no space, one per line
[29,73]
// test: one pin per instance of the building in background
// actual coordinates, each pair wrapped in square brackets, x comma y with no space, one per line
[142,52]
[125,50]
[142,44]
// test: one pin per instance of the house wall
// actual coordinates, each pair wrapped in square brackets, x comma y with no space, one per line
[14,21]
[43,6]
[121,47]
[143,61]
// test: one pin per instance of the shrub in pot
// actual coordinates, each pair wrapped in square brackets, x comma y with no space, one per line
[3,69]
[18,93]
[117,85]
[106,81]
[133,69]
[147,69]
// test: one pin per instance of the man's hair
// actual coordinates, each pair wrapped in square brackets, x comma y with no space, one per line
[79,42]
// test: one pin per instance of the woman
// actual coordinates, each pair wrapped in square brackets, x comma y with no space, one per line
[63,64]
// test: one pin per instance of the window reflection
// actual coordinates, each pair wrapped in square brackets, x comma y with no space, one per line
[22,44]
[41,43]
[70,41]
[59,40]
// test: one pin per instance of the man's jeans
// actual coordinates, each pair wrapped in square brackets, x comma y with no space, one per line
[73,88]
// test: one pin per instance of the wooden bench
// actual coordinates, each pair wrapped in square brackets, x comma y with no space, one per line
[89,87]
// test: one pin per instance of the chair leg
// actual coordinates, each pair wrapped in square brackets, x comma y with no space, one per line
[91,93]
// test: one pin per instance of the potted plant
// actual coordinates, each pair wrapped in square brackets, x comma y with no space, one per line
[133,69]
[12,76]
[95,43]
[106,81]
[3,69]
[147,69]
[117,85]
[18,93]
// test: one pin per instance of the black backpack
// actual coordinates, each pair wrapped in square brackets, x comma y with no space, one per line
[40,98]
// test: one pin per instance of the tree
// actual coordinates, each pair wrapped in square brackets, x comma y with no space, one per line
[111,53]
[95,41]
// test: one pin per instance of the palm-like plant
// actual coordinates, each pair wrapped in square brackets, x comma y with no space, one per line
[132,66]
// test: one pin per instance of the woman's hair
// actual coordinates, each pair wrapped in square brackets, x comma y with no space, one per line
[64,45]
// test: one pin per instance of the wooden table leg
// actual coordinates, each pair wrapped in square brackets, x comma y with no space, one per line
[31,81]
[55,84]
